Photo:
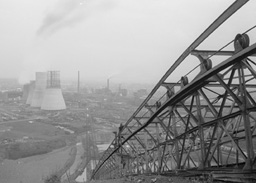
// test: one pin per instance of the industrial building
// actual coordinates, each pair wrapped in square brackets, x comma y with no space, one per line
[53,98]
[31,92]
[40,87]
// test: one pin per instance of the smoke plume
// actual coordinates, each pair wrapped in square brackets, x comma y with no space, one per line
[65,13]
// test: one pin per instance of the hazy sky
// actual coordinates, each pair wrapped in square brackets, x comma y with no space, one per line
[129,40]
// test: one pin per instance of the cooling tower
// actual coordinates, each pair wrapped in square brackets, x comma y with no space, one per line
[31,91]
[25,92]
[40,87]
[53,98]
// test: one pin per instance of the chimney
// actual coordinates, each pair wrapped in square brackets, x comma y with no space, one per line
[53,98]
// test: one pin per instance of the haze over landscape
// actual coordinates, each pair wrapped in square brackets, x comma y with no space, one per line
[135,41]
[113,89]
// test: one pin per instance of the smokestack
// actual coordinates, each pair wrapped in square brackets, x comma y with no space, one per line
[78,83]
[53,98]
[40,87]
[31,92]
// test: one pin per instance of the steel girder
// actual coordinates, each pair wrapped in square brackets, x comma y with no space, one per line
[190,135]
[199,125]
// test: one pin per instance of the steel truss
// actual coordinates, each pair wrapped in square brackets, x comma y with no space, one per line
[207,124]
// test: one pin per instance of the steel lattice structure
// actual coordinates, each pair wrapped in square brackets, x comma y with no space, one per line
[207,124]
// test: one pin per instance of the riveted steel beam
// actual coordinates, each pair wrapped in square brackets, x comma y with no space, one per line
[214,52]
[186,92]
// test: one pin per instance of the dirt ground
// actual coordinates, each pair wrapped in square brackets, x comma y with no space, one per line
[33,169]
[146,179]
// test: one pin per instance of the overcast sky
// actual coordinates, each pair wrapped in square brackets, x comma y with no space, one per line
[129,40]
